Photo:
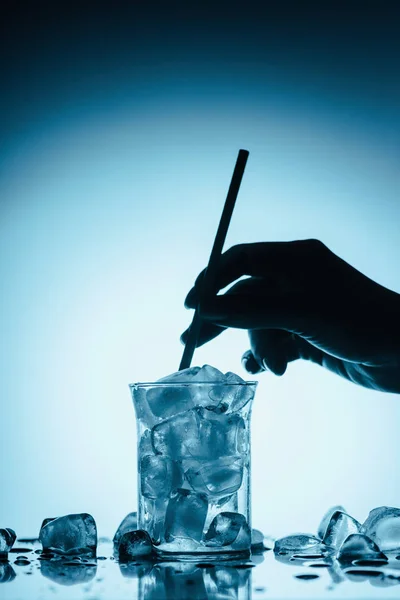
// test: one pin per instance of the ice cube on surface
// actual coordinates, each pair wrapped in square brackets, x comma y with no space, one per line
[257,540]
[133,544]
[158,476]
[70,534]
[186,515]
[326,518]
[383,527]
[220,477]
[300,542]
[359,545]
[229,529]
[129,523]
[7,539]
[339,528]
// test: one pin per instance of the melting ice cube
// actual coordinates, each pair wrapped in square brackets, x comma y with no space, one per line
[229,529]
[301,543]
[339,528]
[219,477]
[326,518]
[358,545]
[186,515]
[7,539]
[129,523]
[133,544]
[70,534]
[383,527]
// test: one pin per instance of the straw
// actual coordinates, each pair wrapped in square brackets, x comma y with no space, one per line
[208,285]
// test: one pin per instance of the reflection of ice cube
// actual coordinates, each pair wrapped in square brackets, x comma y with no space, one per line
[229,529]
[129,523]
[300,542]
[383,527]
[182,581]
[64,574]
[219,477]
[326,518]
[358,545]
[7,539]
[7,573]
[71,534]
[133,544]
[158,475]
[339,528]
[186,515]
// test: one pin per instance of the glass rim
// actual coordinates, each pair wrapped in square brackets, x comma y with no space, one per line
[186,383]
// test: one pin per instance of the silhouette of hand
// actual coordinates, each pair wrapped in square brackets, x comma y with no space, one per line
[300,300]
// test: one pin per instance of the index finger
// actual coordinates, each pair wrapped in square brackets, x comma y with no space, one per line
[255,259]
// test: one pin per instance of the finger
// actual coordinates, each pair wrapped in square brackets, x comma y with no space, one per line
[208,331]
[273,349]
[245,311]
[250,364]
[259,260]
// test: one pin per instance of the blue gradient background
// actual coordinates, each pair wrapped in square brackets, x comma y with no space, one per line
[120,133]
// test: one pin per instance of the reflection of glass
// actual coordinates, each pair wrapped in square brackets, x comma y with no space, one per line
[66,573]
[194,466]
[181,581]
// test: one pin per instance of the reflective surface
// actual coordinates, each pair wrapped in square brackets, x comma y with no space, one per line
[28,574]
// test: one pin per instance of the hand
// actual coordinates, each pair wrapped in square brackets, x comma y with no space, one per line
[300,300]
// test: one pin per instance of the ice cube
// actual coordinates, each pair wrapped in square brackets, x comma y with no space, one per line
[229,529]
[158,475]
[167,401]
[383,527]
[326,518]
[220,477]
[7,539]
[178,437]
[359,545]
[257,540]
[207,373]
[153,513]
[133,544]
[70,534]
[222,434]
[300,542]
[145,444]
[129,523]
[339,528]
[186,515]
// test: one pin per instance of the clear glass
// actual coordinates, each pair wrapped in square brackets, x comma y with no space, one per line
[194,466]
